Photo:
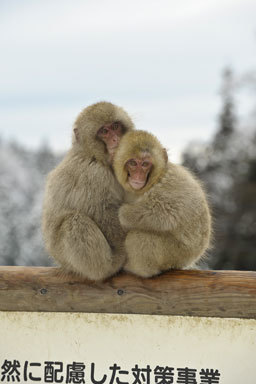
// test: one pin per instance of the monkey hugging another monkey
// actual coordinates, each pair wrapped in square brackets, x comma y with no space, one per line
[146,216]
[80,221]
[165,211]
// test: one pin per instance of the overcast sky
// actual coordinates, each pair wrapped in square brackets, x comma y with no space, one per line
[161,60]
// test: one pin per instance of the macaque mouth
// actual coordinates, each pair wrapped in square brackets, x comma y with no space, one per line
[136,184]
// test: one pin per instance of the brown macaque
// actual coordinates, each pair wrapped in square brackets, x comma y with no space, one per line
[166,212]
[80,224]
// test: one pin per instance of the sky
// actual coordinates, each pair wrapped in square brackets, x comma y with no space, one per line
[160,60]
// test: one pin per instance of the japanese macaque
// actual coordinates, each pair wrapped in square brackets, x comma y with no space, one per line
[166,212]
[80,222]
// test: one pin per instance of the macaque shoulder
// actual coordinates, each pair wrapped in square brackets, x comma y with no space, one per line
[177,183]
[76,182]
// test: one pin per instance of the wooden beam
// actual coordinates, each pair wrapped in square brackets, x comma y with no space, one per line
[186,293]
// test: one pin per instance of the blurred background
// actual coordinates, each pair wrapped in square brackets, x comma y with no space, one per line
[184,70]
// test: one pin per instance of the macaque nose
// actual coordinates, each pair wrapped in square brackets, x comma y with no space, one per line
[114,139]
[139,175]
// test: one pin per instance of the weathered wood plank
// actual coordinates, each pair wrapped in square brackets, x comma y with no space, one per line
[187,293]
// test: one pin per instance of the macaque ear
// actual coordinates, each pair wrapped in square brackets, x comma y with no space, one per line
[165,155]
[76,134]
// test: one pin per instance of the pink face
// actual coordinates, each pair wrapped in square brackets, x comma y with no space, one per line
[111,134]
[138,170]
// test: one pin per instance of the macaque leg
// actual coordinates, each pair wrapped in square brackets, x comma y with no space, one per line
[149,254]
[144,251]
[82,248]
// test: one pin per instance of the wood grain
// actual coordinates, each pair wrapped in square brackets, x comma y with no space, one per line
[186,293]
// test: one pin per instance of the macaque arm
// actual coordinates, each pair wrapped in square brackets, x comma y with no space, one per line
[82,248]
[147,216]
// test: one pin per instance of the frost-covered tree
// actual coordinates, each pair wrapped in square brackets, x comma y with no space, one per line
[22,175]
[227,166]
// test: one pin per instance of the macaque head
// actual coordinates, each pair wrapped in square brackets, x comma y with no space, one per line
[99,128]
[139,161]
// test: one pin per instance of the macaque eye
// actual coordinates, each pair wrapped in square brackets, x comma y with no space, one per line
[115,125]
[145,164]
[132,163]
[103,131]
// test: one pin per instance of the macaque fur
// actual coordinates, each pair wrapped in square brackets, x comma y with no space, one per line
[80,221]
[166,215]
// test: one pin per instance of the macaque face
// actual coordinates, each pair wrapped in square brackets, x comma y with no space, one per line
[111,134]
[138,170]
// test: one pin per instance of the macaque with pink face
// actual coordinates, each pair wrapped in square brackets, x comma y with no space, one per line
[166,213]
[80,222]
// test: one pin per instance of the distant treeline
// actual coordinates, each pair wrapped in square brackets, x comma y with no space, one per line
[227,166]
[22,176]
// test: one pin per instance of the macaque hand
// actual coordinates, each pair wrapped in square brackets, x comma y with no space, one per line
[129,216]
